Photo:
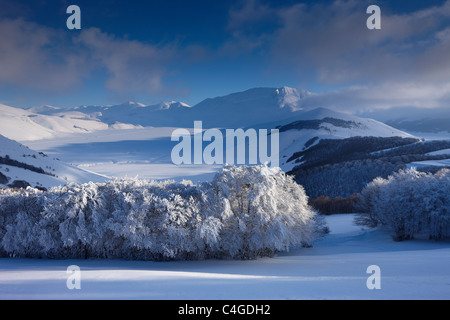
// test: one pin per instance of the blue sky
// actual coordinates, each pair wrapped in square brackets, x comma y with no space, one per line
[152,51]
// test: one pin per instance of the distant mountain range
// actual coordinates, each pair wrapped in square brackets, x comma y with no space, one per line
[258,107]
[251,107]
[300,129]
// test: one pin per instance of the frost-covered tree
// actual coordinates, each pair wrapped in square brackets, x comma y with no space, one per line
[245,212]
[410,203]
[367,201]
[438,206]
[20,214]
[263,211]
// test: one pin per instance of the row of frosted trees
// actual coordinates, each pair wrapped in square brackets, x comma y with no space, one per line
[245,212]
[410,203]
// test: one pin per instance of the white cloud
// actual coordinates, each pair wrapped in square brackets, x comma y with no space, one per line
[30,57]
[133,66]
[383,96]
[57,61]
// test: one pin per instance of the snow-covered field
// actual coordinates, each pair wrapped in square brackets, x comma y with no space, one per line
[144,153]
[335,268]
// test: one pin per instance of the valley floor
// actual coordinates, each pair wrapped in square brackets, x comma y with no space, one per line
[335,268]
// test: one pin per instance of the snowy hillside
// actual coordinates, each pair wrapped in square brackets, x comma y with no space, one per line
[318,124]
[50,122]
[134,113]
[250,108]
[25,166]
[24,125]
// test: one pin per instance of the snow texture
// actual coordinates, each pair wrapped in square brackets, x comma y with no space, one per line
[335,268]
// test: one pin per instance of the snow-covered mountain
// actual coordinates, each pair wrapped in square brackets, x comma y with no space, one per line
[257,108]
[253,108]
[134,113]
[21,166]
[25,125]
[48,122]
[314,125]
[250,107]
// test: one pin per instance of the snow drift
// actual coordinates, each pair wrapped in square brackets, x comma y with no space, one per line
[244,213]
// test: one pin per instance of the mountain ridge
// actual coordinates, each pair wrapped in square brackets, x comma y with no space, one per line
[255,105]
[259,108]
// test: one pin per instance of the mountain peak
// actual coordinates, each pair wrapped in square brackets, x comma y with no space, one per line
[172,104]
[132,104]
[45,109]
[290,97]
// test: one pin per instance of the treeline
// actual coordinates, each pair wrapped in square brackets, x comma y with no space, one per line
[317,124]
[326,205]
[332,151]
[341,168]
[6,160]
[344,179]
[419,148]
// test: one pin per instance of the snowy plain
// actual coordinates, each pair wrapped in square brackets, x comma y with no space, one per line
[142,153]
[334,268]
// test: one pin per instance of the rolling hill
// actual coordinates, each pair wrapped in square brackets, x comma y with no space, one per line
[21,166]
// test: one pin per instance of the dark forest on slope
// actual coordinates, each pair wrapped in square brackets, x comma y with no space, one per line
[341,168]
